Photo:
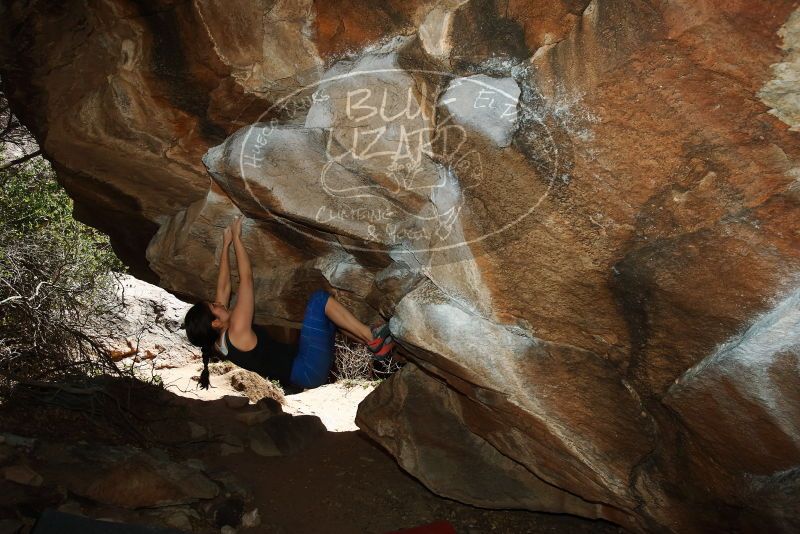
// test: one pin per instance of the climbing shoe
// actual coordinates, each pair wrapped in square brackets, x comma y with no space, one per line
[380,336]
[385,352]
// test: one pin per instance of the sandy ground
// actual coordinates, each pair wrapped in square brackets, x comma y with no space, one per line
[335,404]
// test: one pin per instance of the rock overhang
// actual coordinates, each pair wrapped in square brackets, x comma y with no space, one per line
[665,220]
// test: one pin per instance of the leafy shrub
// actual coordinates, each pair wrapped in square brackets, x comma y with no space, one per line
[55,276]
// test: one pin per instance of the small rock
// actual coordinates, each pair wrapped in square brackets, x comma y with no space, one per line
[195,463]
[10,526]
[231,485]
[232,439]
[233,401]
[18,441]
[267,403]
[177,517]
[254,418]
[227,529]
[22,474]
[251,519]
[197,431]
[179,520]
[159,454]
[262,444]
[226,450]
[227,512]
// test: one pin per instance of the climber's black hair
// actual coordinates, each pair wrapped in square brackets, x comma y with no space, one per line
[201,334]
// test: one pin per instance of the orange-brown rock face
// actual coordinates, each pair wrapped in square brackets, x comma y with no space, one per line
[583,218]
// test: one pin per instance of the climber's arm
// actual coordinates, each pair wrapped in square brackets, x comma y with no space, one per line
[241,322]
[224,278]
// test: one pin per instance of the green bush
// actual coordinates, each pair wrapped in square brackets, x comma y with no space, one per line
[55,278]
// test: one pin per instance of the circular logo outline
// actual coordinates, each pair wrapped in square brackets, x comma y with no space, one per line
[295,227]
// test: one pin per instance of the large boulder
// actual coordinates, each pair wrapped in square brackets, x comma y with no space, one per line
[583,218]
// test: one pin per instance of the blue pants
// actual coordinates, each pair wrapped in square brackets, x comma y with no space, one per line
[315,353]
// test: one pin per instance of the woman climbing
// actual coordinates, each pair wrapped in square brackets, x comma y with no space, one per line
[215,328]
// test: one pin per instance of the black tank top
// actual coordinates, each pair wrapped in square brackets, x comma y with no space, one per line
[269,358]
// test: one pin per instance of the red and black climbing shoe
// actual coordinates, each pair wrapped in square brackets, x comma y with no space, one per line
[385,351]
[382,342]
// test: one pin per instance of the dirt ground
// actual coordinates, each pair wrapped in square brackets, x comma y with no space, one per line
[346,484]
[343,483]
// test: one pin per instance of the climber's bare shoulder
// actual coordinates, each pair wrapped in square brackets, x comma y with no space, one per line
[240,332]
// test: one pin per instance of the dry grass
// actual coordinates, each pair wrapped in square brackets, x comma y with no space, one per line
[255,386]
[353,361]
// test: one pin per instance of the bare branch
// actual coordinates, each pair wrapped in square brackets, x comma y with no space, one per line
[20,160]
